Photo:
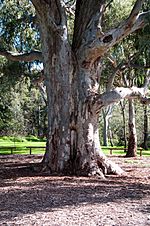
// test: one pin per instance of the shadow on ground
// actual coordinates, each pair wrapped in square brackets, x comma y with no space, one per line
[25,192]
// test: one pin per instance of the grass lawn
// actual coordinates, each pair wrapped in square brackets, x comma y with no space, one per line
[106,150]
[21,146]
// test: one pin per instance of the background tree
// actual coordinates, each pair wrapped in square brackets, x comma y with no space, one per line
[21,102]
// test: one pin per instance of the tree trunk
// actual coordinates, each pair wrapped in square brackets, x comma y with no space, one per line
[145,145]
[105,129]
[72,81]
[107,114]
[132,142]
[73,139]
[111,137]
[122,104]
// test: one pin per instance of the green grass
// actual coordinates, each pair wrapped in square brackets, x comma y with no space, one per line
[21,144]
[121,152]
[21,149]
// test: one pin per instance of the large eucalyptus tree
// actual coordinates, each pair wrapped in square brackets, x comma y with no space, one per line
[72,74]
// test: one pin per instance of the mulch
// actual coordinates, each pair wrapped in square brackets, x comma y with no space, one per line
[31,198]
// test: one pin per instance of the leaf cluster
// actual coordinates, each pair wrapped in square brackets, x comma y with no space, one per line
[18,30]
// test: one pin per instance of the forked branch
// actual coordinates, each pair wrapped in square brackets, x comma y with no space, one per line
[99,46]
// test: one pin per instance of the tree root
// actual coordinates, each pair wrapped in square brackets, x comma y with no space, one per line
[109,167]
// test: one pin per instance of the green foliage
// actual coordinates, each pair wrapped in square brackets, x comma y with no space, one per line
[18,30]
[27,139]
[116,124]
[117,12]
[21,105]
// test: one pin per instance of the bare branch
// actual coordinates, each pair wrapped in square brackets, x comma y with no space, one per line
[108,4]
[112,76]
[27,57]
[134,13]
[70,7]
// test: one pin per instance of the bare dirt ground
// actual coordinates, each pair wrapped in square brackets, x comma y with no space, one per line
[29,198]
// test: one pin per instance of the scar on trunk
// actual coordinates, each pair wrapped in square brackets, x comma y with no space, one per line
[107,38]
[85,64]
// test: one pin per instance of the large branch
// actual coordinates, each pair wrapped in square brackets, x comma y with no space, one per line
[56,12]
[27,57]
[88,17]
[119,93]
[116,95]
[100,45]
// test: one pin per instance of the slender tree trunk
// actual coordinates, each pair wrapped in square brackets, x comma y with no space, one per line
[145,145]
[132,142]
[124,129]
[124,123]
[111,137]
[105,129]
[107,114]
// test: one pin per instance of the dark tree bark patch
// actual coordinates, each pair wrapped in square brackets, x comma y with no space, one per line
[107,39]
